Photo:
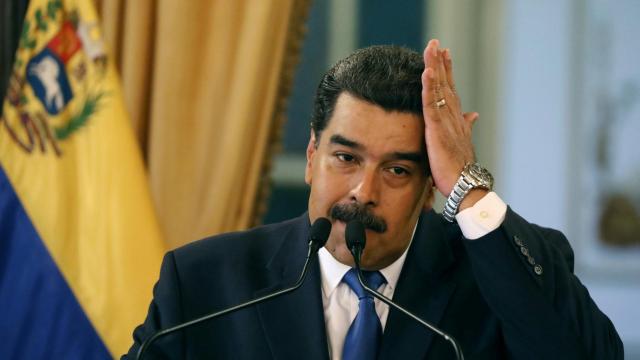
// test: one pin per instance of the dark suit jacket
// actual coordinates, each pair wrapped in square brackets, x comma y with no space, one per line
[486,293]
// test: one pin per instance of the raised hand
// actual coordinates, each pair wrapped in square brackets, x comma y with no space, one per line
[447,128]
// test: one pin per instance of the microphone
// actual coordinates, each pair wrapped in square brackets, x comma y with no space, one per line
[318,235]
[356,240]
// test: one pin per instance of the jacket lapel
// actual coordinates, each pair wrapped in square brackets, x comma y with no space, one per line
[421,289]
[293,324]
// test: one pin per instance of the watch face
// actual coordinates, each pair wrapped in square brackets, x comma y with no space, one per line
[482,177]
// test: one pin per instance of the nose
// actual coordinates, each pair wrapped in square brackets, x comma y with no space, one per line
[366,188]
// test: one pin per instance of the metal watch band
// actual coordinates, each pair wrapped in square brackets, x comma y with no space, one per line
[472,176]
[460,190]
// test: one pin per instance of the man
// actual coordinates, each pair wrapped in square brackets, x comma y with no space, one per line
[387,129]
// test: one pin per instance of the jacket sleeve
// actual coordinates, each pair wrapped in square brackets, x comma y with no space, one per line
[525,273]
[164,312]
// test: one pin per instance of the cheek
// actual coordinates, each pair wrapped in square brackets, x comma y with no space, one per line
[402,206]
[328,187]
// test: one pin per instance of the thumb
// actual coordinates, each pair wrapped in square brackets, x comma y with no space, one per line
[471,117]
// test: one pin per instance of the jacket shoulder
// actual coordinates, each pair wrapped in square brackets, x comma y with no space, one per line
[252,247]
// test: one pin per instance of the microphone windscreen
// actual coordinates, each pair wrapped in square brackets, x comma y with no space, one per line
[319,232]
[354,234]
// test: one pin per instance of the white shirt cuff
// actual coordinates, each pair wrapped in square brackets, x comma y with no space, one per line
[483,217]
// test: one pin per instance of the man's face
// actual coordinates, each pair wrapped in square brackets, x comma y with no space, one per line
[370,162]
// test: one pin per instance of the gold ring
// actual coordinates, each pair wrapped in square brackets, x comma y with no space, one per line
[440,103]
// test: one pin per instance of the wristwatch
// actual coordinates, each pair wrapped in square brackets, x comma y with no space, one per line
[473,176]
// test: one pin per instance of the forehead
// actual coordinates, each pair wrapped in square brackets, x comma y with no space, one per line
[374,127]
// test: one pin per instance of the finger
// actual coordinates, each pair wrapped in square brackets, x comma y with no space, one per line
[442,69]
[448,65]
[432,59]
[428,55]
[447,91]
[430,84]
[471,117]
[429,99]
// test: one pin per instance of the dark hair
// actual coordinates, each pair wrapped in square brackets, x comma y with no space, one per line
[385,75]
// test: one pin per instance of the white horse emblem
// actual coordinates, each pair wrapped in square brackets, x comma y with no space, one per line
[47,71]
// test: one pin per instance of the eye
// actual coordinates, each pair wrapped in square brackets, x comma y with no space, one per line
[398,171]
[344,157]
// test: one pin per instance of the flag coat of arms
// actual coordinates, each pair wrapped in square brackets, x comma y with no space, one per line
[80,246]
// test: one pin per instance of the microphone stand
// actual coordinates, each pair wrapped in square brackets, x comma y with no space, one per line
[313,247]
[357,254]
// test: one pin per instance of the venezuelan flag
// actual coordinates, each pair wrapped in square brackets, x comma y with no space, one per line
[79,243]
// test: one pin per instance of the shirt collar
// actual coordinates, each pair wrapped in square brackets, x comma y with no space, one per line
[332,271]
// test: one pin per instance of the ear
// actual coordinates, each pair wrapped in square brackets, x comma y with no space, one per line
[311,151]
[430,194]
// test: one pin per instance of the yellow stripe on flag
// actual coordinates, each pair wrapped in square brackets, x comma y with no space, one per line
[67,147]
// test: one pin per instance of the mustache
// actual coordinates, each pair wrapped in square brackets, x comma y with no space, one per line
[357,211]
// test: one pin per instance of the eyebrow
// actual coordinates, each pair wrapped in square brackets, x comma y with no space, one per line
[416,157]
[341,140]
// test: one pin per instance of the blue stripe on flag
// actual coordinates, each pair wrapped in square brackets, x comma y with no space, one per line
[40,318]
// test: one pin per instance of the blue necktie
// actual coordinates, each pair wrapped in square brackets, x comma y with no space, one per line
[365,332]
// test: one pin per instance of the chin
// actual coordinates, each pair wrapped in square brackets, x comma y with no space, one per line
[369,264]
[344,255]
[341,253]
